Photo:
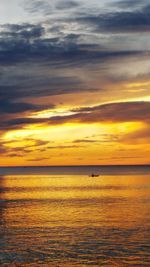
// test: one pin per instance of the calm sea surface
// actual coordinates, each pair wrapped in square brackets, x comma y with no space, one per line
[59,216]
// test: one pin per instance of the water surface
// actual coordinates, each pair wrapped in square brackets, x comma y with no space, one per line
[67,220]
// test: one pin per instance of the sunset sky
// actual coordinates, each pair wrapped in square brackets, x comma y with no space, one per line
[74,82]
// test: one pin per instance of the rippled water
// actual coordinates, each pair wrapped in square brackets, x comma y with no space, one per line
[75,220]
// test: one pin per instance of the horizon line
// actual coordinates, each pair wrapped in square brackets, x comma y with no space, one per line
[104,165]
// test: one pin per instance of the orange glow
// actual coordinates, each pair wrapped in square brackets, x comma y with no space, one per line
[71,188]
[75,143]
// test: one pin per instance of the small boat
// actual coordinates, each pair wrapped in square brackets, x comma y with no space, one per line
[94,175]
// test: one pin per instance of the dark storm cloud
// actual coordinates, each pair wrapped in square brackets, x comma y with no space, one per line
[56,52]
[24,31]
[41,86]
[17,27]
[13,114]
[119,21]
[8,107]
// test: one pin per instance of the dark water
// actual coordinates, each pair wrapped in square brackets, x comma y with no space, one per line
[67,219]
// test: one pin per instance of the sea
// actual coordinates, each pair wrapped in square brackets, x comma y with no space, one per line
[63,217]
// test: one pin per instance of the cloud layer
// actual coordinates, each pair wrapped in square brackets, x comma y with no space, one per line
[75,53]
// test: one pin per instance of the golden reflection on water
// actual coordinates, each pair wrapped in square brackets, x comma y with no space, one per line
[69,186]
[75,220]
[77,200]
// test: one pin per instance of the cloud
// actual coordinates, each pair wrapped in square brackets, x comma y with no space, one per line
[8,107]
[18,123]
[66,51]
[63,147]
[114,112]
[67,4]
[140,136]
[119,21]
[32,145]
[38,6]
[41,67]
[85,141]
[127,4]
[14,115]
[46,7]
[107,113]
[13,152]
[102,138]
[23,31]
[38,159]
[53,56]
[41,86]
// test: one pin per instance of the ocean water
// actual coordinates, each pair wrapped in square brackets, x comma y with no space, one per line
[59,216]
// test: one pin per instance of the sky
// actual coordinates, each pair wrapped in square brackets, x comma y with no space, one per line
[74,82]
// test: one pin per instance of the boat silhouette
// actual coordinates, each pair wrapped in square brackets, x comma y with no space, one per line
[94,175]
